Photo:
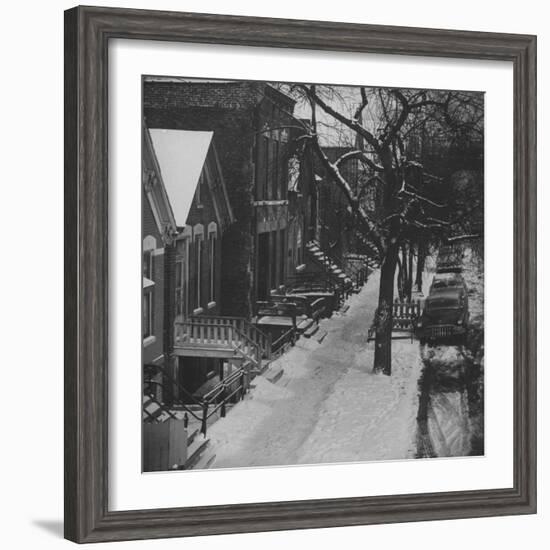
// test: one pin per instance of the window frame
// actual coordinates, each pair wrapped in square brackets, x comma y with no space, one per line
[212,258]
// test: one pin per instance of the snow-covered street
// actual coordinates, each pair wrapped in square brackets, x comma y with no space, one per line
[450,418]
[327,406]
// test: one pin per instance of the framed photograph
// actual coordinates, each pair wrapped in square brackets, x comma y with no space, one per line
[300,273]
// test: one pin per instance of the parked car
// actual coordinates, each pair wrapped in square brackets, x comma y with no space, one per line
[445,316]
[449,259]
[448,280]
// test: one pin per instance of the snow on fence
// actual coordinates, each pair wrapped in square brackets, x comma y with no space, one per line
[405,314]
[404,317]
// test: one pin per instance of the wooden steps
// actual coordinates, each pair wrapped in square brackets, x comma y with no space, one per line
[311,330]
[195,451]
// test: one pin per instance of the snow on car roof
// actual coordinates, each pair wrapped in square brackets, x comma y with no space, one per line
[449,292]
[447,275]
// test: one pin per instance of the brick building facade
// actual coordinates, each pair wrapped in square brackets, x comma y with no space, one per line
[256,139]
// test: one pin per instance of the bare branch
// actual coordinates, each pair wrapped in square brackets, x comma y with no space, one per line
[332,169]
[363,104]
[419,197]
[352,124]
[402,117]
[463,237]
[362,157]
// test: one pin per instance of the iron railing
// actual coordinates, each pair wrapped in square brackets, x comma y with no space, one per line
[229,389]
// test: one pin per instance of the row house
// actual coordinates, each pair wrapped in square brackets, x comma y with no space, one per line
[260,226]
[158,237]
[268,173]
[198,198]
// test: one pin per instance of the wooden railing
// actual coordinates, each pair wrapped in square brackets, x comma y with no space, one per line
[246,345]
[228,331]
[198,331]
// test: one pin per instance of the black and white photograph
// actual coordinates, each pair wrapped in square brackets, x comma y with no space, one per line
[313,273]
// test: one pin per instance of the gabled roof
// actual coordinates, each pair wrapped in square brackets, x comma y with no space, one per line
[156,192]
[182,156]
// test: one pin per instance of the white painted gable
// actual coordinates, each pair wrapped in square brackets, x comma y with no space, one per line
[181,155]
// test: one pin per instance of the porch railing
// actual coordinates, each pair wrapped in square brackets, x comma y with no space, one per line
[224,331]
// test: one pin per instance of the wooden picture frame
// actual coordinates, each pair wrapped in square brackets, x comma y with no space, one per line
[87,34]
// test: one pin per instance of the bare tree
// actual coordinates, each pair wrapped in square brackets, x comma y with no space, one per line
[409,210]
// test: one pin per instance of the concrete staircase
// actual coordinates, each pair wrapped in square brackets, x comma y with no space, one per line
[319,256]
[199,452]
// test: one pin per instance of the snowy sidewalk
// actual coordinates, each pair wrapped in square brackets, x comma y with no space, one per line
[327,406]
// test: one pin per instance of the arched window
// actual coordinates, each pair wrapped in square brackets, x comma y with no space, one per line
[149,243]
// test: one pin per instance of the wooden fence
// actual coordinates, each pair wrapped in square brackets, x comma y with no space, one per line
[404,318]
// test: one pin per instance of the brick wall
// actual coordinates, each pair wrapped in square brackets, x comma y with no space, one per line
[230,113]
[234,111]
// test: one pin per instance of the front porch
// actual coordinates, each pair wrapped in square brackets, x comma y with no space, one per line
[231,338]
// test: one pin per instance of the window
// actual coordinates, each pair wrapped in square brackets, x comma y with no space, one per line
[293,174]
[148,264]
[269,164]
[180,287]
[212,267]
[282,256]
[261,169]
[273,259]
[276,183]
[182,273]
[198,270]
[299,258]
[148,314]
[149,245]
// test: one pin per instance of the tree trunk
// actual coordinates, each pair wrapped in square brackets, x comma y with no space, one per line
[400,283]
[409,280]
[420,263]
[404,266]
[382,351]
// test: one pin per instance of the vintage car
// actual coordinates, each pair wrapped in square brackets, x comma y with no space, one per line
[445,316]
[449,259]
[448,280]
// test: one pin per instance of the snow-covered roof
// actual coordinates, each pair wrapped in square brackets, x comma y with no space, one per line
[181,155]
[147,282]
